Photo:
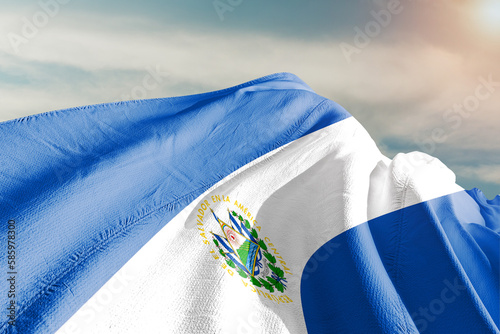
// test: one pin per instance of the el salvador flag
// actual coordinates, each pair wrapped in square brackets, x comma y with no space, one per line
[261,208]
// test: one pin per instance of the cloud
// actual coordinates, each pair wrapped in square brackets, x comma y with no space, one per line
[400,86]
[410,84]
[483,172]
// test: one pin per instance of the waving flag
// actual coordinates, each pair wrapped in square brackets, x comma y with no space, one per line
[262,208]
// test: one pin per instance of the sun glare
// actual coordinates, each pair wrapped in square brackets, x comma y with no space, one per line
[490,13]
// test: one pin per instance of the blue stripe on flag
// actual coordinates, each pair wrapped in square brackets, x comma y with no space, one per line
[89,186]
[432,267]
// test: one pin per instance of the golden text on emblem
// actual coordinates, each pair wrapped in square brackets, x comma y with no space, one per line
[236,242]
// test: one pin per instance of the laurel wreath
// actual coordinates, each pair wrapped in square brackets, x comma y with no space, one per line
[276,281]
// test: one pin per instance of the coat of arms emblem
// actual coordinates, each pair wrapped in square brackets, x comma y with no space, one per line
[242,249]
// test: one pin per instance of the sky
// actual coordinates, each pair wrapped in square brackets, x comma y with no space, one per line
[417,74]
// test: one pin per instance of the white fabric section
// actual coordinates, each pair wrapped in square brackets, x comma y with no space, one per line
[406,180]
[301,195]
